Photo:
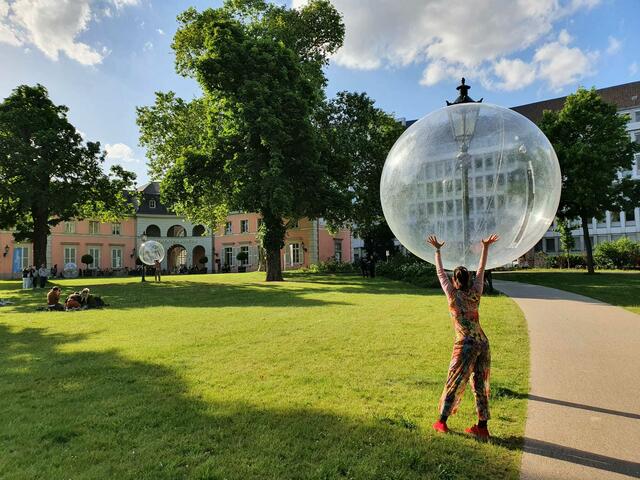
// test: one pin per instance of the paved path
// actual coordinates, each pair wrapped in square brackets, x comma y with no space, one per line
[583,419]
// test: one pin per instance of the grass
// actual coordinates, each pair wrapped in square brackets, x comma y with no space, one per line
[617,287]
[226,377]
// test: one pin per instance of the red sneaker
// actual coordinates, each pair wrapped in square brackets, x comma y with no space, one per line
[440,427]
[481,433]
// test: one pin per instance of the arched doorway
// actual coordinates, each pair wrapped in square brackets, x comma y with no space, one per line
[198,231]
[176,258]
[198,254]
[153,231]
[176,231]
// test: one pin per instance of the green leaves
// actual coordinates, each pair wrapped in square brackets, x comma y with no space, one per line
[48,174]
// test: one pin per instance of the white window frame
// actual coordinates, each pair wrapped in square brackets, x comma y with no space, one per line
[25,256]
[228,228]
[116,228]
[295,254]
[337,253]
[70,254]
[245,248]
[96,253]
[152,204]
[244,226]
[228,255]
[69,227]
[116,257]
[94,227]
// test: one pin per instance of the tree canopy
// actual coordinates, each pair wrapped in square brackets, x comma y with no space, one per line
[48,174]
[362,134]
[596,156]
[260,69]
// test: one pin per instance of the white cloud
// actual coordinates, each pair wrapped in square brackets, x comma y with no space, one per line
[514,73]
[53,26]
[562,65]
[160,31]
[147,46]
[634,68]
[120,152]
[614,46]
[450,38]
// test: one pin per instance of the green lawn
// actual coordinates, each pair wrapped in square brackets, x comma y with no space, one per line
[616,287]
[226,377]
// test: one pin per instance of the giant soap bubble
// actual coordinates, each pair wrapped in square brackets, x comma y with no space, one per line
[150,251]
[464,172]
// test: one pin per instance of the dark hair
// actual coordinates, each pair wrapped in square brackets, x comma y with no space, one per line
[461,276]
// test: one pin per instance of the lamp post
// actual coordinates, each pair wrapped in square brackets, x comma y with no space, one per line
[463,127]
[143,238]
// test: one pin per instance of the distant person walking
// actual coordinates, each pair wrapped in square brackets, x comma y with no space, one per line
[34,277]
[372,265]
[364,268]
[26,278]
[157,270]
[42,275]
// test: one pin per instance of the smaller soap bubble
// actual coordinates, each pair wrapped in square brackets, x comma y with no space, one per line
[150,252]
[70,270]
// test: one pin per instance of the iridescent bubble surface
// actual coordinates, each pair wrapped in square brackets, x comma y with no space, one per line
[464,172]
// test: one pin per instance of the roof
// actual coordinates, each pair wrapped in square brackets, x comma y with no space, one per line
[151,192]
[623,96]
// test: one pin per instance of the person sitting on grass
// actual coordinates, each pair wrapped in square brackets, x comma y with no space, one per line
[53,299]
[471,356]
[87,300]
[73,301]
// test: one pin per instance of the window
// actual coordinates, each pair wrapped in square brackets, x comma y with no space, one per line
[228,230]
[115,228]
[116,257]
[95,253]
[550,243]
[478,163]
[244,226]
[245,249]
[637,116]
[152,204]
[337,248]
[94,228]
[295,252]
[23,254]
[228,256]
[69,227]
[630,216]
[636,137]
[615,218]
[69,255]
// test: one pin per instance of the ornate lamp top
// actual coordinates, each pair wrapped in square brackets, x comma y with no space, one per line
[464,95]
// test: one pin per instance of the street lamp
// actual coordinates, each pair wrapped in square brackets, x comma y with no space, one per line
[143,238]
[463,127]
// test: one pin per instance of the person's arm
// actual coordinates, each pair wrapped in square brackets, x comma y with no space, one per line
[445,283]
[478,284]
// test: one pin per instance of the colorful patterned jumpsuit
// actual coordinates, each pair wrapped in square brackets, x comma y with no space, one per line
[471,357]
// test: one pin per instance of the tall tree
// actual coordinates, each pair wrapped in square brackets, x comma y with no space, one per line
[595,151]
[48,174]
[260,68]
[362,134]
[567,242]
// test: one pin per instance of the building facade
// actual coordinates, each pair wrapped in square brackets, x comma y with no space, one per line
[614,225]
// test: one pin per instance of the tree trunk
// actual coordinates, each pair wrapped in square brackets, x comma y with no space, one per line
[40,232]
[273,241]
[587,243]
[274,267]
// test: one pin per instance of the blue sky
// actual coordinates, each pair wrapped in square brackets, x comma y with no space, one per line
[102,58]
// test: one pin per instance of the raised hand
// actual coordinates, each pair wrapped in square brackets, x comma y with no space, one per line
[491,239]
[433,240]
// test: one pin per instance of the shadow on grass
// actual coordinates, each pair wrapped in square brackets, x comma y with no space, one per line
[301,290]
[83,414]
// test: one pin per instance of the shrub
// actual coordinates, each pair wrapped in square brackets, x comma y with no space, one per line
[576,260]
[410,269]
[622,253]
[330,266]
[204,260]
[86,259]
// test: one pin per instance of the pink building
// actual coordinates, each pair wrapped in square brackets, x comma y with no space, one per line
[112,246]
[308,243]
